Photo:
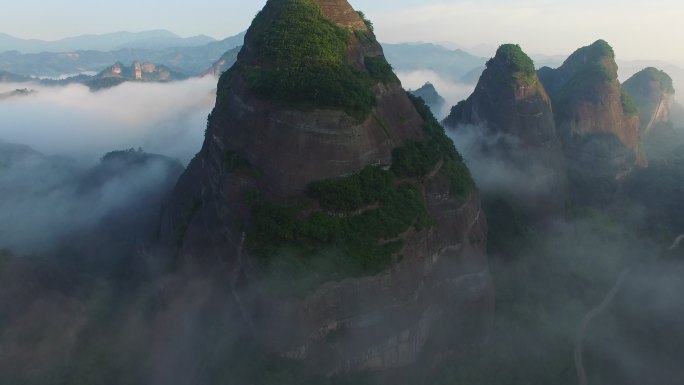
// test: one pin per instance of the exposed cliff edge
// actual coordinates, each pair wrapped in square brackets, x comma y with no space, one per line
[508,127]
[653,92]
[596,119]
[334,204]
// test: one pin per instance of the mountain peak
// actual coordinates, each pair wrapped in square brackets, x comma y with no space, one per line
[315,153]
[596,118]
[653,93]
[515,59]
[597,59]
[509,120]
[652,76]
[511,65]
[299,54]
[341,13]
[600,48]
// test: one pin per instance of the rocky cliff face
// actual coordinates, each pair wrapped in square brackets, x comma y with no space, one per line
[509,125]
[141,72]
[343,217]
[597,123]
[653,92]
[222,64]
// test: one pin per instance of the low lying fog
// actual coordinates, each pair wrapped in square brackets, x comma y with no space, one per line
[168,119]
[450,91]
[43,198]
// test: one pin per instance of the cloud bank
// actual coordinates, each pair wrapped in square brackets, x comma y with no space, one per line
[452,92]
[168,119]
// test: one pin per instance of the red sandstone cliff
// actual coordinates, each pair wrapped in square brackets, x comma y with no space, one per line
[259,145]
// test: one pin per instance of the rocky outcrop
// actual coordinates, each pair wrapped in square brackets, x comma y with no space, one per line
[431,97]
[223,64]
[596,120]
[141,72]
[653,92]
[508,124]
[268,141]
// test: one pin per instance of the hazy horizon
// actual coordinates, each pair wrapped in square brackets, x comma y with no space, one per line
[541,27]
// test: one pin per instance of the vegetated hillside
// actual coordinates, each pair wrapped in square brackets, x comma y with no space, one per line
[507,132]
[653,92]
[342,216]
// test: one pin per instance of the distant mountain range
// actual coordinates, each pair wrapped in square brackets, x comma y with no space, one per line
[191,60]
[107,42]
[452,64]
[201,55]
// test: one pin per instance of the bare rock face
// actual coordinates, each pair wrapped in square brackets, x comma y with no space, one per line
[653,92]
[595,117]
[509,125]
[312,98]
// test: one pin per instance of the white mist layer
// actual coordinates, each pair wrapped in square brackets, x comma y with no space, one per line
[452,92]
[168,119]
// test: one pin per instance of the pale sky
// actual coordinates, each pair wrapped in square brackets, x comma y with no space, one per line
[637,29]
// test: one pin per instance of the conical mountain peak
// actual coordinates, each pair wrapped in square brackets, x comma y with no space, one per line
[653,92]
[511,61]
[314,156]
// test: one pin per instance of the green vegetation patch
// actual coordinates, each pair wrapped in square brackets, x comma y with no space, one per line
[369,24]
[583,79]
[352,193]
[302,60]
[601,49]
[353,225]
[379,69]
[589,69]
[302,248]
[417,159]
[628,104]
[649,74]
[517,61]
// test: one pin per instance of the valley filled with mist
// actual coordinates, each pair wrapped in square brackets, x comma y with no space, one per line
[303,204]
